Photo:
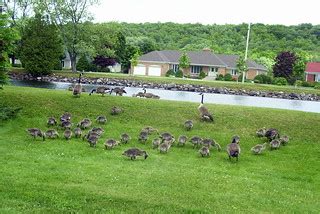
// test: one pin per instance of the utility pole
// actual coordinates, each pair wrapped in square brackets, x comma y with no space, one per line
[246,53]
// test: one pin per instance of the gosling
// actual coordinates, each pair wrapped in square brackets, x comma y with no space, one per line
[125,138]
[164,147]
[261,132]
[52,134]
[188,125]
[143,137]
[134,152]
[284,140]
[204,151]
[35,132]
[275,144]
[51,121]
[156,143]
[111,143]
[77,132]
[196,141]
[116,110]
[272,134]
[67,134]
[182,140]
[259,148]
[101,119]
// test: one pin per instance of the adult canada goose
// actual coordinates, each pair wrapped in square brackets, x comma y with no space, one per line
[67,134]
[236,138]
[111,143]
[156,142]
[101,119]
[284,140]
[188,125]
[65,117]
[51,121]
[134,152]
[258,149]
[78,87]
[77,132]
[35,132]
[149,95]
[182,140]
[275,144]
[272,134]
[143,137]
[261,132]
[118,91]
[125,138]
[52,134]
[205,115]
[196,141]
[164,147]
[233,150]
[139,94]
[204,151]
[85,123]
[116,110]
[100,90]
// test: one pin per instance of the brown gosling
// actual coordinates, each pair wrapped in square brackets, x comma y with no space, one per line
[205,115]
[125,138]
[67,134]
[111,143]
[35,132]
[182,140]
[261,132]
[52,134]
[116,110]
[275,144]
[156,143]
[66,124]
[272,134]
[233,150]
[207,142]
[143,137]
[78,87]
[85,123]
[259,148]
[134,152]
[90,134]
[51,121]
[101,119]
[150,130]
[188,125]
[65,117]
[167,136]
[164,147]
[92,140]
[77,132]
[196,141]
[97,130]
[284,140]
[204,151]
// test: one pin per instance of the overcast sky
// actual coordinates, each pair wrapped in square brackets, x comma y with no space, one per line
[209,11]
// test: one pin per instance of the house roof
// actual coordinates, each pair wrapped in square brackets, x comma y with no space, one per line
[313,67]
[204,58]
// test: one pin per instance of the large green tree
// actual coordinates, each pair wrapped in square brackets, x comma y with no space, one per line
[184,61]
[41,46]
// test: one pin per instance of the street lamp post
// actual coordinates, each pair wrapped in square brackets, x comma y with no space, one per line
[246,53]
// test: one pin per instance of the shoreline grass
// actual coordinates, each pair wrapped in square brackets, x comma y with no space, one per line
[56,176]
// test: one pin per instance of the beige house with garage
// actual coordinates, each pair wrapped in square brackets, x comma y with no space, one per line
[157,63]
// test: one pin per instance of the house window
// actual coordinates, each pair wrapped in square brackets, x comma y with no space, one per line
[62,63]
[233,72]
[318,78]
[213,69]
[196,69]
[174,67]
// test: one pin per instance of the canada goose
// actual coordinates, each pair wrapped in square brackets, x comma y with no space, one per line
[65,117]
[90,135]
[261,132]
[208,142]
[164,147]
[182,140]
[78,87]
[125,138]
[77,132]
[52,134]
[85,123]
[111,143]
[204,151]
[156,142]
[143,137]
[284,140]
[35,132]
[150,130]
[139,94]
[97,130]
[196,141]
[134,152]
[205,115]
[236,139]
[101,119]
[233,150]
[67,134]
[51,121]
[66,124]
[188,125]
[275,144]
[100,90]
[92,140]
[258,149]
[149,95]
[116,110]
[272,134]
[166,136]
[118,91]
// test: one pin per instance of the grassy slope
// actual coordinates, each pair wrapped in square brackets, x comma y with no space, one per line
[231,85]
[57,176]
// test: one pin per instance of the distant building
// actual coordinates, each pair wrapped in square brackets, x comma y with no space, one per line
[313,72]
[157,63]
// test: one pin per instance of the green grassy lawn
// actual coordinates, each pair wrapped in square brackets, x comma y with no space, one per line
[228,84]
[58,176]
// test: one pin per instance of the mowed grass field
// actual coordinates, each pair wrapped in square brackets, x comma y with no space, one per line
[56,176]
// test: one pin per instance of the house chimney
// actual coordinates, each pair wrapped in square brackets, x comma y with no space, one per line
[206,49]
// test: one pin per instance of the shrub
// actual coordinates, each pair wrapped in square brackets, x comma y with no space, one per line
[228,77]
[7,113]
[170,73]
[83,64]
[308,84]
[317,86]
[298,83]
[280,81]
[262,79]
[202,75]
[179,74]
[220,77]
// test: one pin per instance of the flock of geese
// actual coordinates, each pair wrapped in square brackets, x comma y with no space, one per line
[163,141]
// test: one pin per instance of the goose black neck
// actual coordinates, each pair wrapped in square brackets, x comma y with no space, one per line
[202,95]
[79,79]
[144,90]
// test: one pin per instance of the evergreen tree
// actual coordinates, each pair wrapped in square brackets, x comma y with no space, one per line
[41,46]
[83,64]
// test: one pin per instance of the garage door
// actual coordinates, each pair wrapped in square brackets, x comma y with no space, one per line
[139,70]
[154,71]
